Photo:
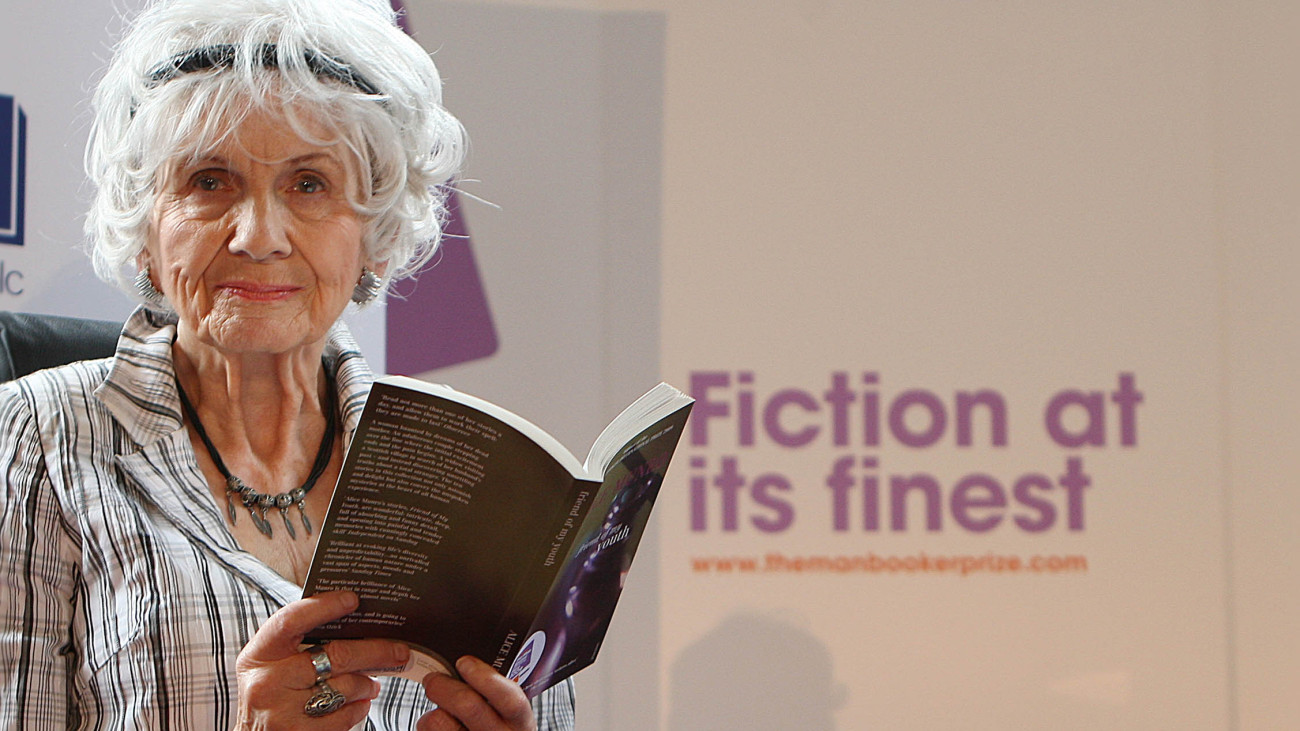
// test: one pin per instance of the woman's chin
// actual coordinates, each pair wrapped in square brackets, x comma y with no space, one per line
[268,332]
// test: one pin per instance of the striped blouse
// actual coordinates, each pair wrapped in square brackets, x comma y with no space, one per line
[124,599]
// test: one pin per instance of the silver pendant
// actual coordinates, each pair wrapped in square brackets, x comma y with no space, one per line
[284,515]
[283,501]
[306,523]
[259,519]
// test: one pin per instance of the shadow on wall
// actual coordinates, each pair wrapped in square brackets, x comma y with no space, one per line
[754,672]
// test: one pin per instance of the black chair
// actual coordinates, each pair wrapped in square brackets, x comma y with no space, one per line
[31,342]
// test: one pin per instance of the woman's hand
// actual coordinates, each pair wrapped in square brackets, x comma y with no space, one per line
[484,701]
[276,678]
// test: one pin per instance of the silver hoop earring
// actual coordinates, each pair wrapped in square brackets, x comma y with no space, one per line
[144,287]
[368,287]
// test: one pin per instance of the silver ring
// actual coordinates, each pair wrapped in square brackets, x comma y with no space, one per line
[324,701]
[320,662]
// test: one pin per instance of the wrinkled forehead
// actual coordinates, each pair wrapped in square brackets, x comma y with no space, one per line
[267,128]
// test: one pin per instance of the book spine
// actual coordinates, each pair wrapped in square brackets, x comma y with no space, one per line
[545,568]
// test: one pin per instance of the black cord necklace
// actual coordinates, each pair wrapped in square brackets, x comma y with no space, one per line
[259,503]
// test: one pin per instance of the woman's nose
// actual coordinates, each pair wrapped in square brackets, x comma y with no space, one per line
[260,229]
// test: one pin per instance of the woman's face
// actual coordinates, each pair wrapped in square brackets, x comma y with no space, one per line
[255,244]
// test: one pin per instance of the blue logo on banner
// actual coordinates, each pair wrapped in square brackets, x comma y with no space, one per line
[13,170]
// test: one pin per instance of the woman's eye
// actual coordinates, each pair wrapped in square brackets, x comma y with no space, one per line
[207,183]
[210,180]
[310,185]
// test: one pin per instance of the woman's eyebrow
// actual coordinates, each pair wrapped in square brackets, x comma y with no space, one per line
[313,157]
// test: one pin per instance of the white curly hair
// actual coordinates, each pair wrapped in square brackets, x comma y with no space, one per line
[187,72]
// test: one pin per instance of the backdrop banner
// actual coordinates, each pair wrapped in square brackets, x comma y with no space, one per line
[957,458]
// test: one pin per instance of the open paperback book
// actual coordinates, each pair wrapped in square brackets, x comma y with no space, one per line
[467,530]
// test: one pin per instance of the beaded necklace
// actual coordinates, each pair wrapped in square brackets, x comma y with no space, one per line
[258,503]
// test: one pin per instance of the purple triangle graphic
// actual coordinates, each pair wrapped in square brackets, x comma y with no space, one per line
[441,317]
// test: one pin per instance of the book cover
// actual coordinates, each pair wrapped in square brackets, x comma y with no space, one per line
[466,530]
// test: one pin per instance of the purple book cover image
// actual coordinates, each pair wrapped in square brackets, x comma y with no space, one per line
[572,623]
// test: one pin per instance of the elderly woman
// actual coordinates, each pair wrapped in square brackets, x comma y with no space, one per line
[258,165]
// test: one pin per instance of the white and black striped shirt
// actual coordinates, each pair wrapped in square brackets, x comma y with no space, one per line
[124,600]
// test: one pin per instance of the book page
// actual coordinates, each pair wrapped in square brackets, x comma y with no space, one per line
[652,406]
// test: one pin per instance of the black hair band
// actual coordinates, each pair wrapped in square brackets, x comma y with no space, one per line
[223,56]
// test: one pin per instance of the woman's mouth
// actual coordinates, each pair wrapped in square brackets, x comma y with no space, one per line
[258,292]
